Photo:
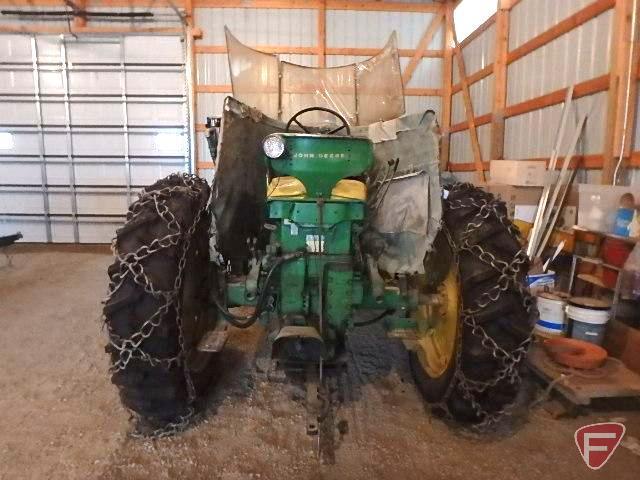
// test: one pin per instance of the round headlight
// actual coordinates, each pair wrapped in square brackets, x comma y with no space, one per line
[273,146]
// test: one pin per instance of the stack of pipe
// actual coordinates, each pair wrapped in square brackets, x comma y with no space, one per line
[556,187]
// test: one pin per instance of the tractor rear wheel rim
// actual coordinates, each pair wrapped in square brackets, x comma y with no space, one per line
[438,328]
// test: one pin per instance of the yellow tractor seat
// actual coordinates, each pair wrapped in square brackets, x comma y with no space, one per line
[292,187]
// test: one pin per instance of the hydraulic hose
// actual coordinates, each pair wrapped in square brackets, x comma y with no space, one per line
[246,322]
[373,320]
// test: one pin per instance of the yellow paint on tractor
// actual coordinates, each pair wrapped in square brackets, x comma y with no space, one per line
[438,328]
[291,187]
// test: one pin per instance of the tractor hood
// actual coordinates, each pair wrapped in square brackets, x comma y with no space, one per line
[318,161]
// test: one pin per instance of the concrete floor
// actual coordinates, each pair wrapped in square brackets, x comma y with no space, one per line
[60,417]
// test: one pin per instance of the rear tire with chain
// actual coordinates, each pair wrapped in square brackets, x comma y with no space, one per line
[160,279]
[483,377]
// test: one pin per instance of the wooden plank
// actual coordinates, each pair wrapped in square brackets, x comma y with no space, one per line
[137,3]
[509,4]
[615,60]
[621,100]
[582,16]
[212,49]
[403,52]
[273,4]
[467,167]
[478,121]
[447,81]
[213,88]
[202,164]
[262,48]
[380,6]
[93,3]
[501,49]
[475,77]
[322,33]
[192,70]
[423,92]
[589,87]
[425,41]
[411,92]
[468,105]
[98,30]
[588,162]
[478,31]
[219,49]
[78,20]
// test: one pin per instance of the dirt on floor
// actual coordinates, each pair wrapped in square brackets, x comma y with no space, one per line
[60,417]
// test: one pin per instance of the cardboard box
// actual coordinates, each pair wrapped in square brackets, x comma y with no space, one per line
[566,219]
[513,196]
[520,173]
[523,202]
[527,196]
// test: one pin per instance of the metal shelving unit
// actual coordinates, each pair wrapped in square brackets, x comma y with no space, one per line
[594,279]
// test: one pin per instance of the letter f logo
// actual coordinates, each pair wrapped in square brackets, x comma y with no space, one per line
[598,441]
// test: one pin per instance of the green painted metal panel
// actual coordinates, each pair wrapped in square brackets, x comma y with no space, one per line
[293,276]
[308,211]
[338,281]
[237,295]
[319,162]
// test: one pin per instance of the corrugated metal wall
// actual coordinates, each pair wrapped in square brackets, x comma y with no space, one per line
[632,176]
[298,28]
[372,30]
[477,55]
[579,55]
[532,17]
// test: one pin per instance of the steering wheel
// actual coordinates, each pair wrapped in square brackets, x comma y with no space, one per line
[294,119]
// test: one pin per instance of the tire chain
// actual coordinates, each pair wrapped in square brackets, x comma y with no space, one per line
[508,279]
[131,266]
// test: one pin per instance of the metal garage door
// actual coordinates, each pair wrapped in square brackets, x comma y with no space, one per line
[84,124]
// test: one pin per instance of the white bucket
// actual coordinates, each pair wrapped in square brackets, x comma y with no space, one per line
[541,282]
[590,319]
[552,321]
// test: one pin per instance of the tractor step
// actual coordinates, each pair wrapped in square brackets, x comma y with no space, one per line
[214,340]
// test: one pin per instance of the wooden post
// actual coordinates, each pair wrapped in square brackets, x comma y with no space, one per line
[617,96]
[468,107]
[192,33]
[500,81]
[79,21]
[617,86]
[322,34]
[188,10]
[447,85]
[633,88]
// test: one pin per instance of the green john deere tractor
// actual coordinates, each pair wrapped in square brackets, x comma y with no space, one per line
[294,235]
